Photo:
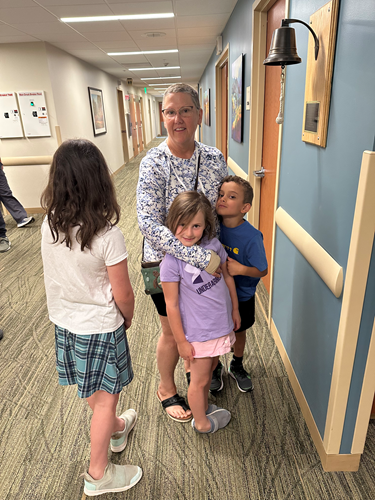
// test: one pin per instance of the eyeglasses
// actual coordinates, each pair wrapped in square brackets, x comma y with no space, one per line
[185,112]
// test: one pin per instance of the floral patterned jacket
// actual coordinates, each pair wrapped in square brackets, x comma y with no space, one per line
[162,177]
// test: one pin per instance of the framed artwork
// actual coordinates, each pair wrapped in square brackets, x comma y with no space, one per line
[237,99]
[206,107]
[97,111]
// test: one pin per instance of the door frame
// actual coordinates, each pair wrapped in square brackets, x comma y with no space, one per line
[125,145]
[224,57]
[258,73]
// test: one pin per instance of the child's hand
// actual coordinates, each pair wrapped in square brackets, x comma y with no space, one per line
[234,267]
[236,319]
[186,351]
[127,323]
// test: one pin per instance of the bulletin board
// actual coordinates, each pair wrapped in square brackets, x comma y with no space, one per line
[10,121]
[34,113]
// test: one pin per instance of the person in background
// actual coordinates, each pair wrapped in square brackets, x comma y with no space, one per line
[14,207]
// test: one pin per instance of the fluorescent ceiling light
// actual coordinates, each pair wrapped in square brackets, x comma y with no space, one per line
[92,19]
[142,52]
[158,84]
[162,67]
[160,78]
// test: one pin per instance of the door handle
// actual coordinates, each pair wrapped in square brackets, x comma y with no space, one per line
[259,173]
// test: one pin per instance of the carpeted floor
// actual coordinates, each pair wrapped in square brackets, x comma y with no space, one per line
[265,452]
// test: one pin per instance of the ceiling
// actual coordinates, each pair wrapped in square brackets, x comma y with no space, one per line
[192,30]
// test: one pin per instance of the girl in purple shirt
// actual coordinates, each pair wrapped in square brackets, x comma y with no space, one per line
[202,308]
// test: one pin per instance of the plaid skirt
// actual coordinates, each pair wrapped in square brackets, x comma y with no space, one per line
[99,362]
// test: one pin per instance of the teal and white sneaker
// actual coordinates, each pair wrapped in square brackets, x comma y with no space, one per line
[120,439]
[116,478]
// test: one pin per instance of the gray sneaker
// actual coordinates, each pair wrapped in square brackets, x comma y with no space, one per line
[116,478]
[25,221]
[217,378]
[119,439]
[218,419]
[242,378]
[4,244]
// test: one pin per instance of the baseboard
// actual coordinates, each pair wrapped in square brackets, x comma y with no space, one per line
[330,463]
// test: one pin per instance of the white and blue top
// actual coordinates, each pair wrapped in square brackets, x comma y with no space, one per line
[162,177]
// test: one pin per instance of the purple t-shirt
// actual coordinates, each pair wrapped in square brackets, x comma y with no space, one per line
[205,303]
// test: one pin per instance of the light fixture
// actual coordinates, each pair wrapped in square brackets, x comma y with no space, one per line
[156,69]
[115,18]
[160,78]
[283,50]
[141,52]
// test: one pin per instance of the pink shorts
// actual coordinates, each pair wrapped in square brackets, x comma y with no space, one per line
[216,347]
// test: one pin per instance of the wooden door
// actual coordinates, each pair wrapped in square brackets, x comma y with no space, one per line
[224,109]
[124,138]
[270,138]
[133,125]
[150,119]
[139,125]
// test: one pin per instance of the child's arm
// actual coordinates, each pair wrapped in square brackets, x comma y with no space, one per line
[122,290]
[233,295]
[235,268]
[185,349]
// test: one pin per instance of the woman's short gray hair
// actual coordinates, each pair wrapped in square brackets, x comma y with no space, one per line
[186,89]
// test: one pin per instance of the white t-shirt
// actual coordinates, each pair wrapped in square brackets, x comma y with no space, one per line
[79,294]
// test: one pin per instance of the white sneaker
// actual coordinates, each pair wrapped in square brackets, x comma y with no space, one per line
[116,478]
[119,439]
[25,221]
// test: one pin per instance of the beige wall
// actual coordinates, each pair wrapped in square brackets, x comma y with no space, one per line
[65,81]
[24,67]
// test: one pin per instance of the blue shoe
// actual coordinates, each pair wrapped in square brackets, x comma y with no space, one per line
[25,221]
[120,439]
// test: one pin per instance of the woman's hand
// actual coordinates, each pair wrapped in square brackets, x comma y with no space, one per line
[186,350]
[214,266]
[236,319]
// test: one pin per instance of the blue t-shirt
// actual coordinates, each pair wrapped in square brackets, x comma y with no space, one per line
[244,243]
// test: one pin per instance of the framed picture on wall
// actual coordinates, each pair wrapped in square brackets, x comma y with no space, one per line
[237,99]
[206,107]
[97,111]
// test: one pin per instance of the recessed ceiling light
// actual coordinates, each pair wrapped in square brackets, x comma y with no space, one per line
[153,34]
[162,67]
[160,78]
[115,18]
[142,52]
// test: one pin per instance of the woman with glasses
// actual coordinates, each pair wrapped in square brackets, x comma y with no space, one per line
[178,164]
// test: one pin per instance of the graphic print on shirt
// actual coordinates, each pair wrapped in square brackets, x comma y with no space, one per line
[197,278]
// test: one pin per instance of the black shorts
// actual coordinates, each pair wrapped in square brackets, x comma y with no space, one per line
[247,313]
[159,301]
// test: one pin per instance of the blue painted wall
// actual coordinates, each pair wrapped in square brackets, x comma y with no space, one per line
[318,189]
[238,34]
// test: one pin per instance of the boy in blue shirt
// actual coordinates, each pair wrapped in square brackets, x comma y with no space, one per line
[247,263]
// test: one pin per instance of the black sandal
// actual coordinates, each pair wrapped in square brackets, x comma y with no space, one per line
[175,400]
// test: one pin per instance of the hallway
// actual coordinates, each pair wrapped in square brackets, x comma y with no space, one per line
[265,452]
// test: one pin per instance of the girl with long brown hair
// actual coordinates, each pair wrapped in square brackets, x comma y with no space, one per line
[90,300]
